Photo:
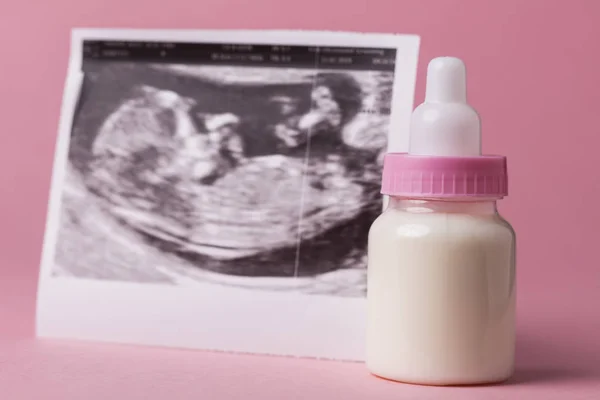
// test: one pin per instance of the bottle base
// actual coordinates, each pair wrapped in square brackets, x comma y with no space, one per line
[443,382]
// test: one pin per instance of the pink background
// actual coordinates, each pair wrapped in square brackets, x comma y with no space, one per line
[534,76]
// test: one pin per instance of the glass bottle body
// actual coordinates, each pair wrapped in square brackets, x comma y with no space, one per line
[441,293]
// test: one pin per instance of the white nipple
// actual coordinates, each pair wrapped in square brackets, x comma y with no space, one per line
[445,125]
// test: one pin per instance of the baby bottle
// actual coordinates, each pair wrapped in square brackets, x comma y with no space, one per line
[441,260]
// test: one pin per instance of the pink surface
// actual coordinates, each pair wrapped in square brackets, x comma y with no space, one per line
[533,68]
[407,175]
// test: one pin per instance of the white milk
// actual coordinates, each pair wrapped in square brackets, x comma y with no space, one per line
[441,293]
[441,260]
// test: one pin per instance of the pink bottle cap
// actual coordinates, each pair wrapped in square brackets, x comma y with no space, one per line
[444,158]
[406,175]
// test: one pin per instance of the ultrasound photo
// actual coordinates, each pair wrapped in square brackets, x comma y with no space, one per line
[244,165]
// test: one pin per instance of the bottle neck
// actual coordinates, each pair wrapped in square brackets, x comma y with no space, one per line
[445,206]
